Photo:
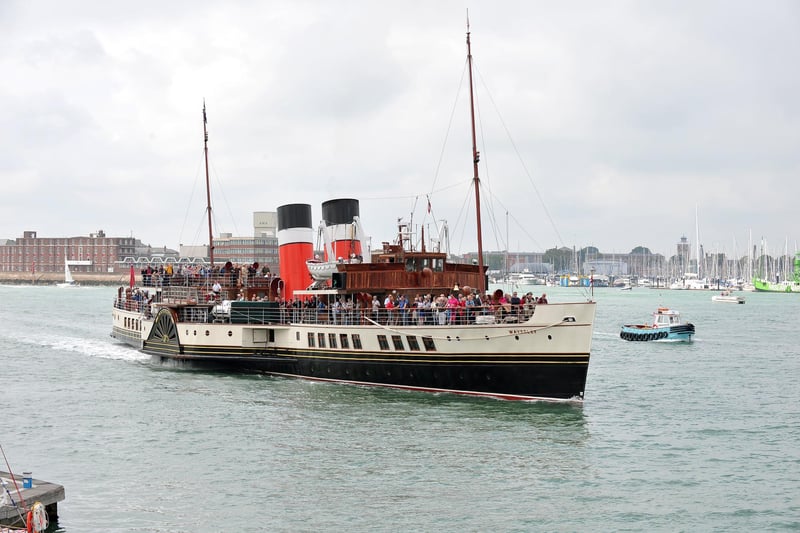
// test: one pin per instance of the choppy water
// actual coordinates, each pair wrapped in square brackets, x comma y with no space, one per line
[670,438]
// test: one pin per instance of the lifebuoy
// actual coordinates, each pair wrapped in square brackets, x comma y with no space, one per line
[38,520]
[29,522]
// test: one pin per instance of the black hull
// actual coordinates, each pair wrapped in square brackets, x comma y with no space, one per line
[528,378]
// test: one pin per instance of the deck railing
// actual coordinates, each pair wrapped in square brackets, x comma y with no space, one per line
[274,313]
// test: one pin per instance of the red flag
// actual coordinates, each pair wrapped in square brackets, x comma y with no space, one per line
[133,277]
[429,205]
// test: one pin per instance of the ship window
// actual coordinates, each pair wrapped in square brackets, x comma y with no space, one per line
[382,342]
[413,345]
[430,346]
[321,339]
[410,266]
[332,340]
[310,340]
[438,265]
[356,341]
[397,340]
[343,340]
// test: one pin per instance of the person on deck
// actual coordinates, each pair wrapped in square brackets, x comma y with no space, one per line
[516,304]
[216,289]
[376,308]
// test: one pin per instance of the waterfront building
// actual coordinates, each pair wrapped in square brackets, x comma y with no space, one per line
[94,253]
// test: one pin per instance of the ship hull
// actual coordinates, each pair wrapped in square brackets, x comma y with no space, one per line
[761,285]
[544,358]
[643,333]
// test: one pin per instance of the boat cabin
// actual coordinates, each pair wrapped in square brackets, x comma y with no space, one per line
[664,317]
[395,268]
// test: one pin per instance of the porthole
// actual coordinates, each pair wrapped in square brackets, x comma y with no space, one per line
[230,334]
[207,333]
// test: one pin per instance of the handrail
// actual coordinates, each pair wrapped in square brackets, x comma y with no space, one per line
[282,314]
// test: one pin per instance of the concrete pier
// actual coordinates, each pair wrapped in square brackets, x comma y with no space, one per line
[41,491]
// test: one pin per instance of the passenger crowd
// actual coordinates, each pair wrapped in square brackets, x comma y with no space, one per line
[190,275]
[395,309]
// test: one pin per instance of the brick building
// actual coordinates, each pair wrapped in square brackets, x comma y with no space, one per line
[95,253]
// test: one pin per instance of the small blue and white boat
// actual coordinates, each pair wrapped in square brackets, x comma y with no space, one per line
[666,326]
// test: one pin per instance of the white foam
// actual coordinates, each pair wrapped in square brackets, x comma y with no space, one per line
[91,347]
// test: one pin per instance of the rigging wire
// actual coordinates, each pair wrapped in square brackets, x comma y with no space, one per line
[487,182]
[199,228]
[189,203]
[203,218]
[444,141]
[449,125]
[522,161]
[225,199]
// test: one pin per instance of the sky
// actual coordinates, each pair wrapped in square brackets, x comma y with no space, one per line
[606,124]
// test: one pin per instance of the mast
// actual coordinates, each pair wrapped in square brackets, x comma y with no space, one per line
[475,179]
[506,270]
[697,238]
[208,188]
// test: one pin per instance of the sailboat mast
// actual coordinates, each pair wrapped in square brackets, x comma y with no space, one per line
[475,179]
[208,188]
[697,238]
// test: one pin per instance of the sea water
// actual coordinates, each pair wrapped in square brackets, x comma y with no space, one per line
[671,437]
